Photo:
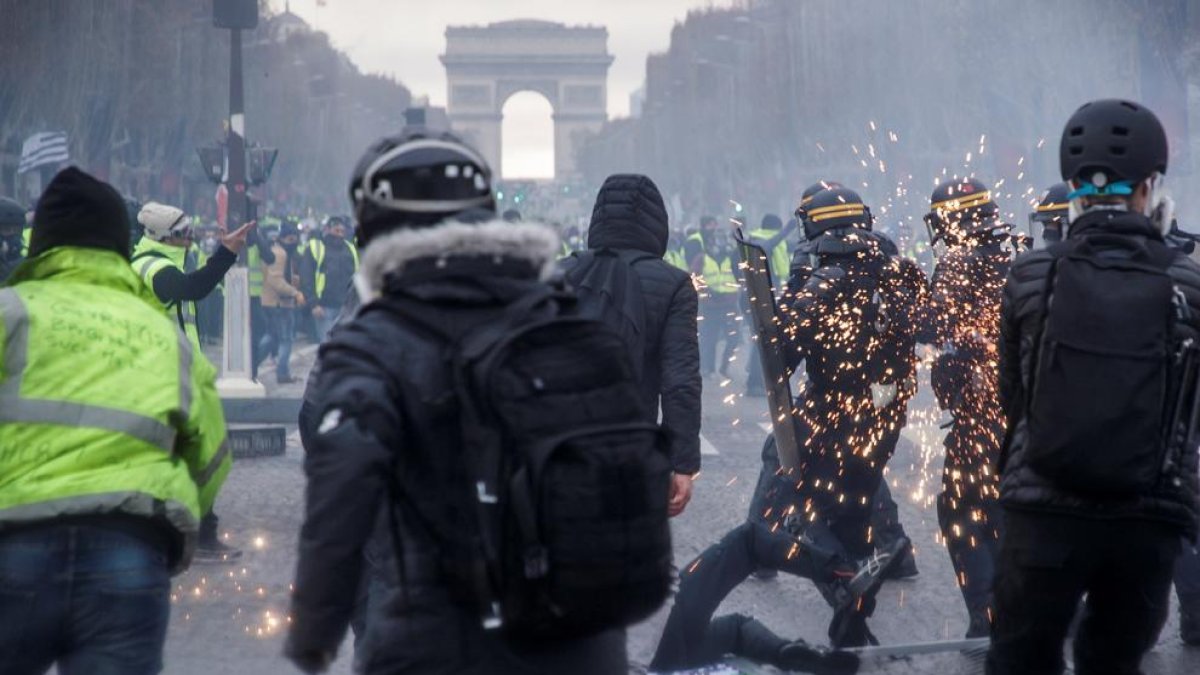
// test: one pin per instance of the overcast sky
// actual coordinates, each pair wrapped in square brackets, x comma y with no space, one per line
[404,38]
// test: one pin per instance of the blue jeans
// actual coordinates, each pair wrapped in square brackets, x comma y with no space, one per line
[281,331]
[325,323]
[91,599]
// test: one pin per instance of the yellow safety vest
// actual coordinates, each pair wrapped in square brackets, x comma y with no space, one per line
[255,272]
[104,406]
[778,258]
[717,275]
[675,258]
[317,248]
[151,257]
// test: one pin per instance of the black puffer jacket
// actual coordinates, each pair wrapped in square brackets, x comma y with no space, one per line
[1021,487]
[385,405]
[629,216]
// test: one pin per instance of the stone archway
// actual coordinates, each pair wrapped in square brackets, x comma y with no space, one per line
[485,65]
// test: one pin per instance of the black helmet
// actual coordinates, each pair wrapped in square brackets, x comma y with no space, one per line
[960,207]
[418,179]
[1112,141]
[12,214]
[835,208]
[1052,213]
[806,199]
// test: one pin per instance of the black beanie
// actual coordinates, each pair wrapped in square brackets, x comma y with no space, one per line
[771,222]
[78,210]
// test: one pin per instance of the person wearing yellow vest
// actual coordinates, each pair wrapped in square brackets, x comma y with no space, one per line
[327,272]
[674,255]
[712,260]
[772,236]
[112,445]
[12,243]
[161,260]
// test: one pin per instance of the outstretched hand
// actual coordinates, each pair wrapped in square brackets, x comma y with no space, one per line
[236,241]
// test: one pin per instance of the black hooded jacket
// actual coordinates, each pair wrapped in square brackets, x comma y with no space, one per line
[385,407]
[629,216]
[1021,487]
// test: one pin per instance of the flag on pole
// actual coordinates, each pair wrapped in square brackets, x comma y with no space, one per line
[43,149]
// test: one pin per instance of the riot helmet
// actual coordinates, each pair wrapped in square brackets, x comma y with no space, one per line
[806,198]
[961,208]
[1052,212]
[835,208]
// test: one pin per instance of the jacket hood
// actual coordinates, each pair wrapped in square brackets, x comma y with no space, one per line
[629,214]
[389,255]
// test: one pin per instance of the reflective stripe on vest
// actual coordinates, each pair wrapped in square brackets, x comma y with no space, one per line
[15,408]
[184,312]
[317,248]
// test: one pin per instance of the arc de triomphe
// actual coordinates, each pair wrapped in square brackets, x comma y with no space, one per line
[485,65]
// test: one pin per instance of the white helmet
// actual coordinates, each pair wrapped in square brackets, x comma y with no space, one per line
[162,221]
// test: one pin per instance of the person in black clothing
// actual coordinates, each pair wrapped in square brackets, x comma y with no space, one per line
[885,518]
[435,237]
[962,318]
[847,320]
[12,245]
[629,216]
[327,270]
[1108,526]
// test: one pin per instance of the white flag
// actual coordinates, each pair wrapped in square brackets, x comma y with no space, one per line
[46,148]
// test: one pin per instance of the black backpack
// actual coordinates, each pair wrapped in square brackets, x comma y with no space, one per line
[1109,368]
[609,291]
[569,484]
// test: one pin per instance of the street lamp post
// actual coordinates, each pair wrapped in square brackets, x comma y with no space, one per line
[237,357]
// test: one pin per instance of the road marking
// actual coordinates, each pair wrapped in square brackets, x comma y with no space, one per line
[706,447]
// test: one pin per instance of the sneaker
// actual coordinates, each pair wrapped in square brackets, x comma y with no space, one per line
[854,594]
[216,552]
[803,657]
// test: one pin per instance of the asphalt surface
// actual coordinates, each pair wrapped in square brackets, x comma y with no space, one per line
[232,618]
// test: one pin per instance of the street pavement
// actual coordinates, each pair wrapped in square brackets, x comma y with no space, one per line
[232,618]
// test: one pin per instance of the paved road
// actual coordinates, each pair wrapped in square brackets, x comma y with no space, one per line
[231,619]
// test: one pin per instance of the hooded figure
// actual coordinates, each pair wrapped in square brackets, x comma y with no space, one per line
[629,219]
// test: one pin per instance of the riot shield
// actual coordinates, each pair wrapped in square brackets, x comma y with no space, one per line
[756,281]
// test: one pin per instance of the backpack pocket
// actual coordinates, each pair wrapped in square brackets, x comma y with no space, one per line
[1097,424]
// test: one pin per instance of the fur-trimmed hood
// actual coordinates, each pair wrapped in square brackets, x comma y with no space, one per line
[389,254]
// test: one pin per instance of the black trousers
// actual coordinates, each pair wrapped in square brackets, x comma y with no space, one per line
[1048,562]
[883,518]
[689,639]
